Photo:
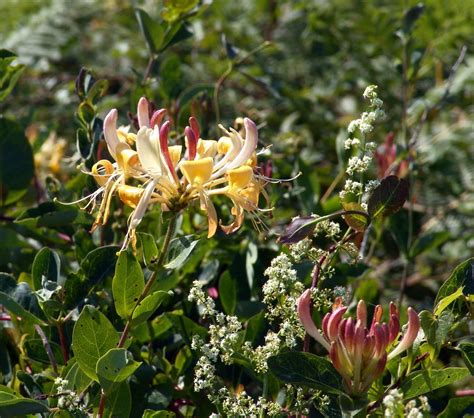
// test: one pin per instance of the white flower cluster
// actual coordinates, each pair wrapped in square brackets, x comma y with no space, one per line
[278,290]
[304,249]
[224,340]
[259,355]
[204,373]
[358,164]
[393,403]
[329,228]
[415,408]
[371,185]
[205,303]
[243,405]
[68,399]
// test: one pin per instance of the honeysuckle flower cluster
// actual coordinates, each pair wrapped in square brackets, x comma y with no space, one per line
[358,352]
[358,130]
[148,170]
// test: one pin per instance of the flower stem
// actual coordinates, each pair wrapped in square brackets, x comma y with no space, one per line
[144,294]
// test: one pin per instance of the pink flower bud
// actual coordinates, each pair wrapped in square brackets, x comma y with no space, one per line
[164,130]
[157,117]
[143,113]
[192,142]
[195,127]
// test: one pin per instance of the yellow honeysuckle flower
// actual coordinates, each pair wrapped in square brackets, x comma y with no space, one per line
[147,170]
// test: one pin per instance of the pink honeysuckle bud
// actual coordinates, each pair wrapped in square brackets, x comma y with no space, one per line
[410,334]
[143,113]
[157,117]
[193,122]
[192,142]
[359,354]
[331,326]
[304,313]
[362,312]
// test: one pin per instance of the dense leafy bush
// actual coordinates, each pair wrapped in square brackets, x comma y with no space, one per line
[277,220]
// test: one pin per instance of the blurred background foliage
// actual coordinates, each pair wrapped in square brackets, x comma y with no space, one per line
[298,68]
[303,87]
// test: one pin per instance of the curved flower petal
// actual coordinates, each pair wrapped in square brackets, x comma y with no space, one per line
[250,145]
[148,148]
[410,334]
[304,313]
[110,131]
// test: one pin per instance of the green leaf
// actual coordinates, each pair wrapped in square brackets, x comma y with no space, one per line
[114,367]
[306,369]
[35,350]
[388,197]
[9,74]
[228,293]
[298,229]
[148,306]
[99,264]
[83,143]
[149,249]
[92,337]
[357,222]
[467,350]
[12,405]
[77,379]
[191,92]
[457,407]
[151,30]
[118,403]
[462,276]
[421,382]
[98,89]
[428,242]
[46,267]
[16,309]
[185,326]
[127,284]
[16,169]
[411,16]
[148,413]
[436,329]
[446,301]
[180,249]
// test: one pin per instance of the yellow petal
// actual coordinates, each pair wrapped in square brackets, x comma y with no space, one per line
[224,145]
[175,153]
[127,159]
[102,170]
[197,172]
[211,214]
[240,177]
[251,195]
[206,148]
[130,195]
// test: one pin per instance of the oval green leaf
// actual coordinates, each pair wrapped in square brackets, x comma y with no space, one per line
[127,284]
[148,306]
[92,337]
